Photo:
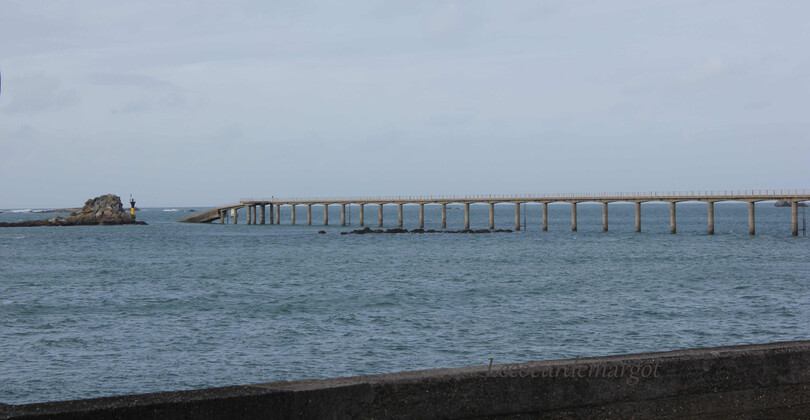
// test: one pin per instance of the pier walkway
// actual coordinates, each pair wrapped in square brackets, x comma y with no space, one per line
[256,209]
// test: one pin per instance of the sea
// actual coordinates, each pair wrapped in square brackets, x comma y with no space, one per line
[91,311]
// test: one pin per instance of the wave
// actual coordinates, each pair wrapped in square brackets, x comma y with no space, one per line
[21,211]
[171,209]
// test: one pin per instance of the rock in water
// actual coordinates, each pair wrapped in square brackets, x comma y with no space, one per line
[102,210]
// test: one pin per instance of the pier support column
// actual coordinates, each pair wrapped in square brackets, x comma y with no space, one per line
[517,216]
[235,213]
[466,215]
[362,215]
[421,215]
[545,217]
[444,215]
[262,213]
[254,214]
[638,216]
[672,218]
[249,219]
[343,214]
[326,214]
[604,217]
[278,214]
[794,217]
[272,215]
[751,223]
[309,214]
[573,217]
[491,216]
[292,214]
[380,215]
[711,217]
[222,216]
[400,214]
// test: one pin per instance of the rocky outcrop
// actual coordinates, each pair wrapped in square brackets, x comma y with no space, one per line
[786,203]
[102,210]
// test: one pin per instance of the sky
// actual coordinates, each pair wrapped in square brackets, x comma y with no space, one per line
[201,103]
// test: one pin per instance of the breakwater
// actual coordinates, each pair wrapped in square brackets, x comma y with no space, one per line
[764,380]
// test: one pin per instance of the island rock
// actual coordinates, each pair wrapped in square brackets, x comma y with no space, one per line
[102,210]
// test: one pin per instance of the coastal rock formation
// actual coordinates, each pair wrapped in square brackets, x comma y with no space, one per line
[102,210]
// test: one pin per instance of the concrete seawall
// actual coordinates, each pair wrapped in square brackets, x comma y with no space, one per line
[755,381]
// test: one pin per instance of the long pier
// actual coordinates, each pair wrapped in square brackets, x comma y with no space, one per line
[257,209]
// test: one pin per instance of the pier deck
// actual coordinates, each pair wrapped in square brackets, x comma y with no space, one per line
[251,205]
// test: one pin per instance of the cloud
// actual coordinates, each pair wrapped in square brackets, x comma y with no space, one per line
[37,93]
[130,79]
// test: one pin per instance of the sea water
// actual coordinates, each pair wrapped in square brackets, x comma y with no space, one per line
[93,311]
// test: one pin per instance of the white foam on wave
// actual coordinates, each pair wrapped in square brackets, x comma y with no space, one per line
[21,211]
[171,209]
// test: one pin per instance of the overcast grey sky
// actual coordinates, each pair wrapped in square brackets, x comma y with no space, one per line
[202,102]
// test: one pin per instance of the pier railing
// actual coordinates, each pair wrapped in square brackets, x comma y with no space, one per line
[535,196]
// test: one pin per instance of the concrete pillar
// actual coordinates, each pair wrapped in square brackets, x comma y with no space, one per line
[326,214]
[672,218]
[711,217]
[421,215]
[466,215]
[278,214]
[400,214]
[272,217]
[517,216]
[794,217]
[751,224]
[309,214]
[249,219]
[343,214]
[444,215]
[222,216]
[604,217]
[573,217]
[545,217]
[380,215]
[235,212]
[638,217]
[292,214]
[492,215]
[262,212]
[253,210]
[362,215]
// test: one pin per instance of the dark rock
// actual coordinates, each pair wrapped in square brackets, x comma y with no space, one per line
[321,232]
[102,210]
[377,231]
[482,231]
[418,231]
[786,203]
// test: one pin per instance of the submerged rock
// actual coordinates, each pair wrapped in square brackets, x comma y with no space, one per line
[786,203]
[400,230]
[102,210]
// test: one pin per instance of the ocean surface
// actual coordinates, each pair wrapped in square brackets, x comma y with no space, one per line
[110,310]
